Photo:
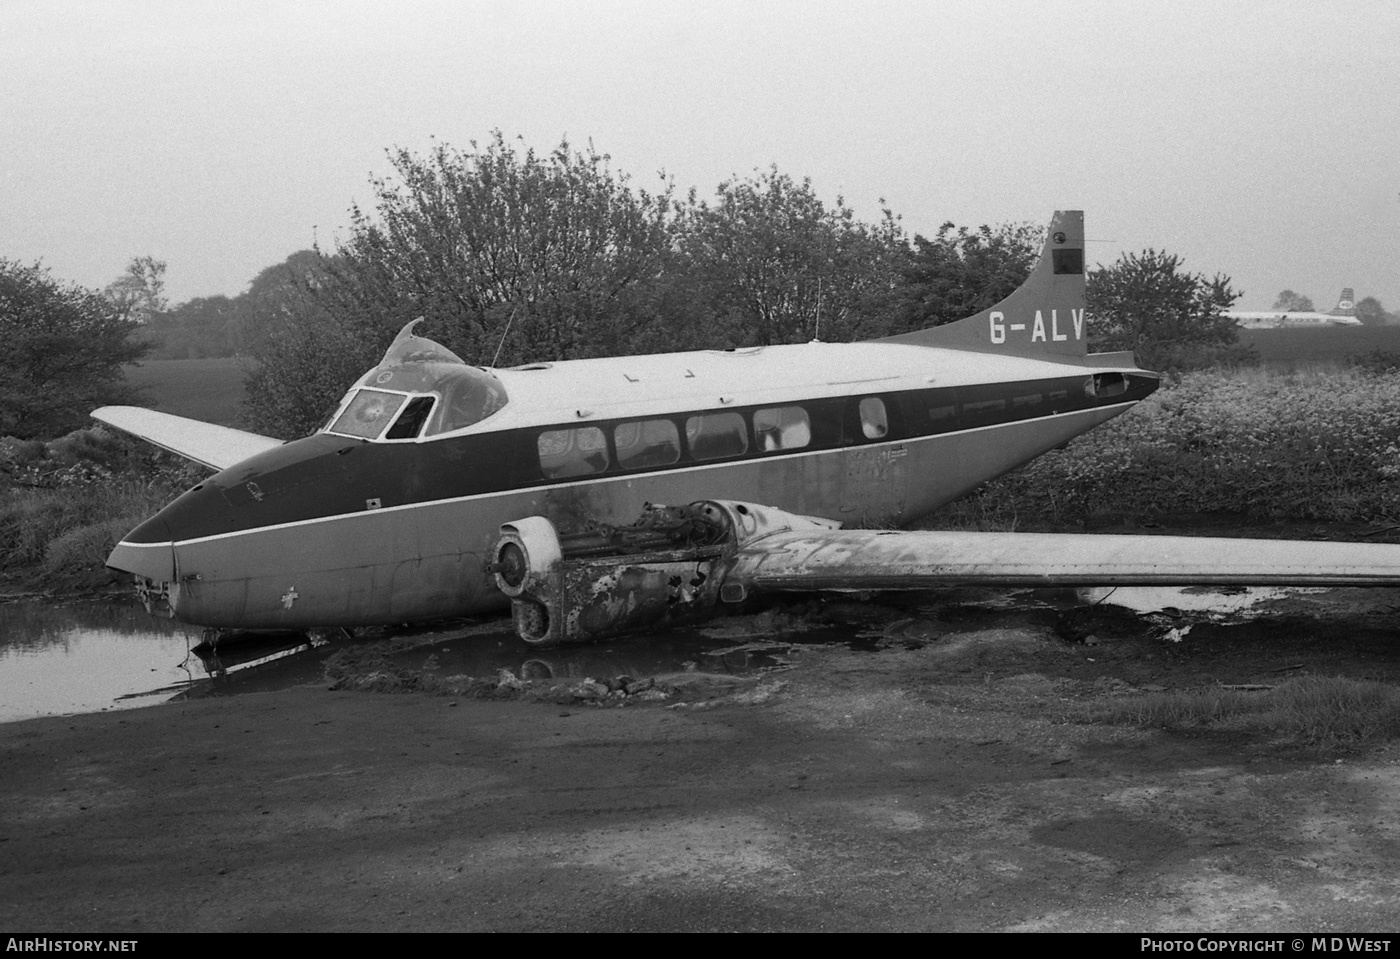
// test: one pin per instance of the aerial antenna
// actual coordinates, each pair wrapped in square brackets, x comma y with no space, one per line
[817,333]
[501,345]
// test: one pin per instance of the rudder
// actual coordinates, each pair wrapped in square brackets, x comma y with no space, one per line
[1044,317]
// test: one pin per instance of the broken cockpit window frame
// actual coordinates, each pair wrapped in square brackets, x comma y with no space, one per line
[367,414]
[410,422]
[447,394]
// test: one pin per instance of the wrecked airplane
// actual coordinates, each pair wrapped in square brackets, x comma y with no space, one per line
[440,489]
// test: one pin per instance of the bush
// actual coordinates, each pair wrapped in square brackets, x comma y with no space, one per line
[1324,446]
[1376,363]
[66,503]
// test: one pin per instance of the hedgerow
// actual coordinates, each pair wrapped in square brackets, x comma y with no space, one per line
[65,503]
[1322,445]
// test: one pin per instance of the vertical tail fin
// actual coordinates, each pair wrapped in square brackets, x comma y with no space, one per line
[1044,317]
[1346,306]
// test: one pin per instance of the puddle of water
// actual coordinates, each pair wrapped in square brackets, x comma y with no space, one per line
[88,657]
[485,654]
[96,656]
[1222,601]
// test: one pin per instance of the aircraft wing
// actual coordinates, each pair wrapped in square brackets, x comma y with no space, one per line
[804,560]
[611,580]
[217,447]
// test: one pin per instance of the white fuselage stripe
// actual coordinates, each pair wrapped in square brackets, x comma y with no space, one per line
[615,479]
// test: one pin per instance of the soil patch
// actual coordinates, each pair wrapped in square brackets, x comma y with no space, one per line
[946,775]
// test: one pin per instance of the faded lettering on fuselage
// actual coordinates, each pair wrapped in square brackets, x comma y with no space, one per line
[1041,329]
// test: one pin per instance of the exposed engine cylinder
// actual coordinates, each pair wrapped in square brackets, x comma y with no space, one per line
[607,580]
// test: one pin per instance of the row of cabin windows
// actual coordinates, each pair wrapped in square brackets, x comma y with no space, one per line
[648,444]
[1053,399]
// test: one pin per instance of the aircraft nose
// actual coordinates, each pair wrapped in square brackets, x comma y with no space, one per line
[147,551]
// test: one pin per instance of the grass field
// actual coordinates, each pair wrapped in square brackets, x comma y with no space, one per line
[208,389]
[1329,344]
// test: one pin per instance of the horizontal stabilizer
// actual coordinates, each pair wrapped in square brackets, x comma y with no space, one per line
[218,447]
[892,560]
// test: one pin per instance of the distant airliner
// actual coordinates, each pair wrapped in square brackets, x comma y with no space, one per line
[1343,314]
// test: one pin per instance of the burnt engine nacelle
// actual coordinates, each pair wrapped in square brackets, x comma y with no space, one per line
[667,567]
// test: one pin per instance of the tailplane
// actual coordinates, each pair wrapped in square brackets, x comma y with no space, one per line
[1044,317]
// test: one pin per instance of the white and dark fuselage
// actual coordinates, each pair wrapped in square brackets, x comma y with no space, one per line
[392,512]
[338,529]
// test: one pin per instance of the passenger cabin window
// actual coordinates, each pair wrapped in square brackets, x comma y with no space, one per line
[577,452]
[647,443]
[411,420]
[782,428]
[713,436]
[873,421]
[368,413]
[942,416]
[982,407]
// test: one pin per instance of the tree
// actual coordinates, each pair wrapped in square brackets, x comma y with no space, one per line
[558,247]
[1370,312]
[64,348]
[1169,318]
[1291,302]
[537,257]
[202,327]
[140,291]
[774,259]
[961,272]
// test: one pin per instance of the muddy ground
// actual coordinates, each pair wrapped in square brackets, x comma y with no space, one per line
[941,774]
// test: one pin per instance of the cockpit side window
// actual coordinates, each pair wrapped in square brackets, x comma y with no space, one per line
[411,420]
[368,413]
[468,396]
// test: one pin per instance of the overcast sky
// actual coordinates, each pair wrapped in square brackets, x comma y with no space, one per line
[1256,139]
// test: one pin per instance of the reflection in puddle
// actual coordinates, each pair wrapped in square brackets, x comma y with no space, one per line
[486,653]
[1224,601]
[86,657]
[93,656]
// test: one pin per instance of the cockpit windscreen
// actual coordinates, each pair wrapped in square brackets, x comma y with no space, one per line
[441,391]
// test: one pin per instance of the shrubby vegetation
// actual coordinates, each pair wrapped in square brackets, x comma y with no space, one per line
[65,503]
[1170,319]
[63,350]
[1321,446]
[515,256]
[518,257]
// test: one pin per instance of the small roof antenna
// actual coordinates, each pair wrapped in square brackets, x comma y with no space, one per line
[817,333]
[501,345]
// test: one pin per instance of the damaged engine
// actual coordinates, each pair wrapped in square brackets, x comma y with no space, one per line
[667,567]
